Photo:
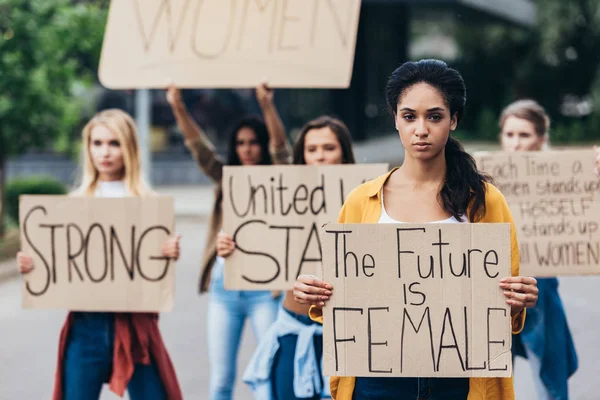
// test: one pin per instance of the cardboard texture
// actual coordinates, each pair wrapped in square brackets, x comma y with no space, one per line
[229,43]
[274,215]
[97,254]
[416,300]
[554,198]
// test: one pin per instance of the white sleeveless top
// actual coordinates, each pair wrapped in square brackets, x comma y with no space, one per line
[110,189]
[384,218]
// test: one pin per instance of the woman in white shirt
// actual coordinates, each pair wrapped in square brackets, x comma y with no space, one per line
[122,349]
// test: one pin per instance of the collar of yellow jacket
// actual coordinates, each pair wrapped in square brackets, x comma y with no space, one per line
[372,188]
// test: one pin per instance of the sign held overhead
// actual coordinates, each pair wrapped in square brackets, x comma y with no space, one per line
[229,43]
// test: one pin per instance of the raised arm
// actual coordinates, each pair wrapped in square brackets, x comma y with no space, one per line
[196,140]
[277,139]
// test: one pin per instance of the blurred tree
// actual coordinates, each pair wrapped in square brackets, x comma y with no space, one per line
[557,63]
[48,48]
[570,41]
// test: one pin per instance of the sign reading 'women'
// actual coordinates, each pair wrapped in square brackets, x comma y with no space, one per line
[93,254]
[416,300]
[274,215]
[229,43]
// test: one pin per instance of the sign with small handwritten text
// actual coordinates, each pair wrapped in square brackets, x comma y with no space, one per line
[554,198]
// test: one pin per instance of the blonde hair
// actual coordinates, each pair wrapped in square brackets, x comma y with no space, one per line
[528,110]
[123,126]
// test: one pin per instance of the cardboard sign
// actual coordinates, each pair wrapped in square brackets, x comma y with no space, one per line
[229,43]
[554,198]
[97,254]
[274,215]
[416,300]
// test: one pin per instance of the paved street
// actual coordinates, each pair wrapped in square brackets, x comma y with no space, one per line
[29,338]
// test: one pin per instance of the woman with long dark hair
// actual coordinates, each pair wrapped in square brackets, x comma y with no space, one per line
[287,363]
[252,142]
[438,182]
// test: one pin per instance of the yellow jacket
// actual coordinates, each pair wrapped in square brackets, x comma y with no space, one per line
[363,205]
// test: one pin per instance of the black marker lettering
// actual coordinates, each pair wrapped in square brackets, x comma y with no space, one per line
[400,252]
[486,263]
[370,339]
[287,246]
[139,251]
[256,253]
[335,337]
[104,253]
[490,342]
[70,255]
[37,251]
[406,316]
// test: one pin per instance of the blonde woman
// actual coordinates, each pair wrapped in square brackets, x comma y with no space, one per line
[124,350]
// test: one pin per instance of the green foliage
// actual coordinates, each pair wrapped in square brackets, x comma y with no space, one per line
[487,125]
[46,48]
[555,59]
[31,185]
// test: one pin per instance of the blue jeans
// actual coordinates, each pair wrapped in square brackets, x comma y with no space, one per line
[227,312]
[411,388]
[283,364]
[89,357]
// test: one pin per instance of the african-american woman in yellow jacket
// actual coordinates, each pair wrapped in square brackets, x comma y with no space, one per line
[438,182]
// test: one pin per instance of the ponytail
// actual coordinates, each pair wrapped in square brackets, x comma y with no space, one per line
[464,187]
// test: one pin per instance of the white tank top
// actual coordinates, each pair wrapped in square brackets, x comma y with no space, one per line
[384,218]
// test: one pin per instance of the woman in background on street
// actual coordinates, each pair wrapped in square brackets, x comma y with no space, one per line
[438,182]
[124,350]
[252,142]
[287,363]
[546,339]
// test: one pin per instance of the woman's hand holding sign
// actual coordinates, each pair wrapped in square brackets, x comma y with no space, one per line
[264,94]
[24,262]
[308,289]
[225,245]
[520,291]
[171,248]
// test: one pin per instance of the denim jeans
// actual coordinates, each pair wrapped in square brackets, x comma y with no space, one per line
[283,364]
[411,388]
[227,312]
[89,357]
